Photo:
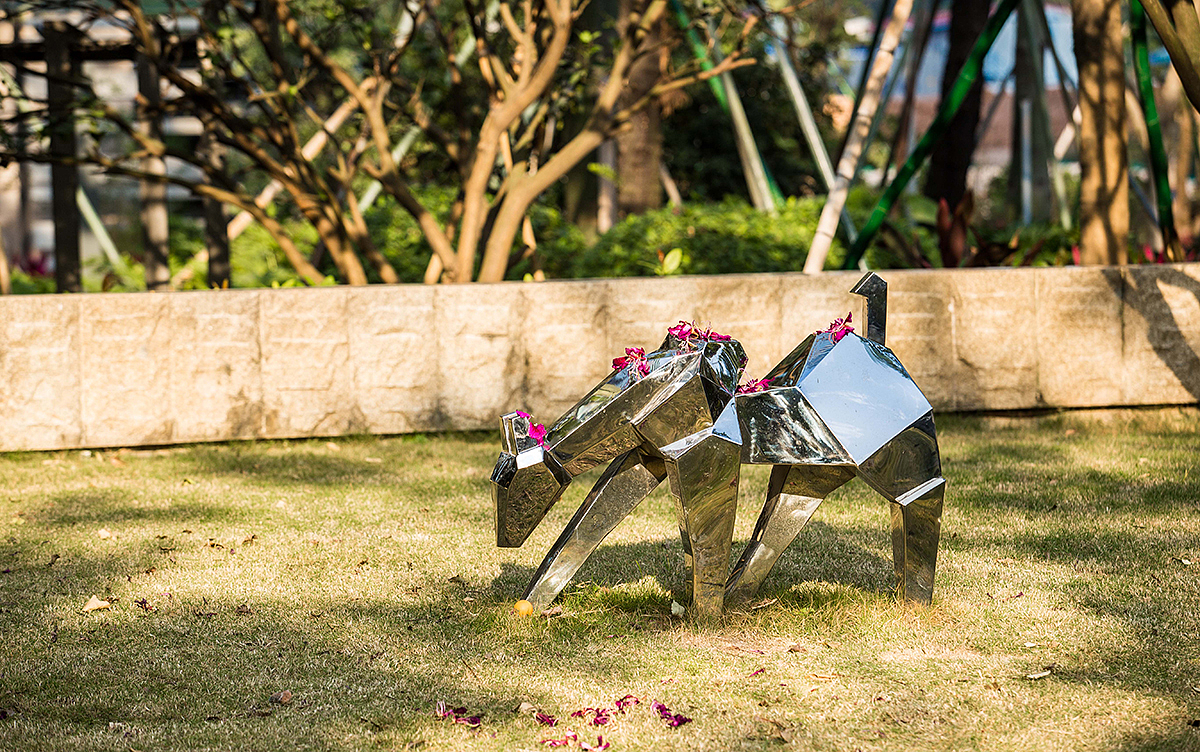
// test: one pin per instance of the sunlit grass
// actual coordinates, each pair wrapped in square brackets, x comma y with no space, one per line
[362,576]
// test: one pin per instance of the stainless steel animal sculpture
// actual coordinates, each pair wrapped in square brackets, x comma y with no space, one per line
[837,406]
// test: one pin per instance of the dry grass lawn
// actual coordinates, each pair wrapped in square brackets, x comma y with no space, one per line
[362,578]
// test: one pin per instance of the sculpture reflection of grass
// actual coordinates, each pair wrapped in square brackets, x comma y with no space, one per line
[839,405]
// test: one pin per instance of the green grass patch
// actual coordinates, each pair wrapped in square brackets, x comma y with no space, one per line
[362,577]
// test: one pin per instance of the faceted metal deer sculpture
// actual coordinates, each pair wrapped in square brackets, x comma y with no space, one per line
[837,406]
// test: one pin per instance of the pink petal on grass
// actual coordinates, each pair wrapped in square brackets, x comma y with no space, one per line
[544,719]
[599,746]
[570,737]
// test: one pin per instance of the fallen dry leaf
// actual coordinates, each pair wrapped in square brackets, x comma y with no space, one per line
[104,534]
[281,698]
[95,604]
[332,447]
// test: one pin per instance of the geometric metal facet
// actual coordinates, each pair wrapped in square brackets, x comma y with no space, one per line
[863,394]
[906,461]
[524,487]
[628,480]
[780,427]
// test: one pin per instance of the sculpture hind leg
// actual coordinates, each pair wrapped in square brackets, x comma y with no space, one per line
[793,495]
[908,471]
[629,479]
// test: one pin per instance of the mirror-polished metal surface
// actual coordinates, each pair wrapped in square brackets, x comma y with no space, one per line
[703,470]
[793,495]
[838,405]
[524,485]
[874,289]
[628,480]
[916,528]
[863,395]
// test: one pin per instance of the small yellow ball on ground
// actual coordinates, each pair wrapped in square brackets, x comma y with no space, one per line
[523,608]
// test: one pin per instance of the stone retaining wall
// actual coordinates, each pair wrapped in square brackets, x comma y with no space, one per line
[136,369]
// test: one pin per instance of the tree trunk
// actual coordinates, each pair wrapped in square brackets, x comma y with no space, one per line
[639,146]
[1103,158]
[155,222]
[947,177]
[61,68]
[1179,133]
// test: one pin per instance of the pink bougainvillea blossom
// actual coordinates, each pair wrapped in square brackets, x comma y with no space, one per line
[545,719]
[839,328]
[691,336]
[634,356]
[599,746]
[751,387]
[537,431]
[674,720]
[627,701]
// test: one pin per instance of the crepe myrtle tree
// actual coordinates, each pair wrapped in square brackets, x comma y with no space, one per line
[507,97]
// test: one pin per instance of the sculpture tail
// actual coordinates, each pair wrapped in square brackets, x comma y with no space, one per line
[874,289]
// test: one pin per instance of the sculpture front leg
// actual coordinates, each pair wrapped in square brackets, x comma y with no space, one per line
[629,479]
[704,479]
[793,495]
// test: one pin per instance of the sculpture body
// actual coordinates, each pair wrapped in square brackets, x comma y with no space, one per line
[837,406]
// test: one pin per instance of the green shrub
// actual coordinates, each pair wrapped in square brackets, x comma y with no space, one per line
[726,238]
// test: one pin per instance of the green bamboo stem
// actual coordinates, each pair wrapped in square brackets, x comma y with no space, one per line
[764,191]
[1158,154]
[937,130]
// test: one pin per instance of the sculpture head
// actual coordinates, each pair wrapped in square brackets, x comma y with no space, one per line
[526,481]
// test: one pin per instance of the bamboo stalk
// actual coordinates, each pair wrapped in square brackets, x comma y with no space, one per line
[827,225]
[1158,154]
[958,93]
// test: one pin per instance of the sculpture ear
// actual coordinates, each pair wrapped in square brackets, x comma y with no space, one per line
[508,432]
[514,433]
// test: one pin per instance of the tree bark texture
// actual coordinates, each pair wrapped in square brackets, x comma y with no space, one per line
[61,69]
[947,177]
[153,194]
[639,145]
[1103,158]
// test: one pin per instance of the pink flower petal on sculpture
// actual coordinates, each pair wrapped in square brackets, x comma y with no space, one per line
[619,363]
[537,432]
[839,328]
[754,386]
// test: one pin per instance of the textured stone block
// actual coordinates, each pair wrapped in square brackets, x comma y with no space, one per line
[39,360]
[1079,337]
[809,303]
[748,307]
[566,346]
[306,370]
[216,381]
[921,331]
[394,357]
[125,368]
[1161,334]
[994,340]
[481,353]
